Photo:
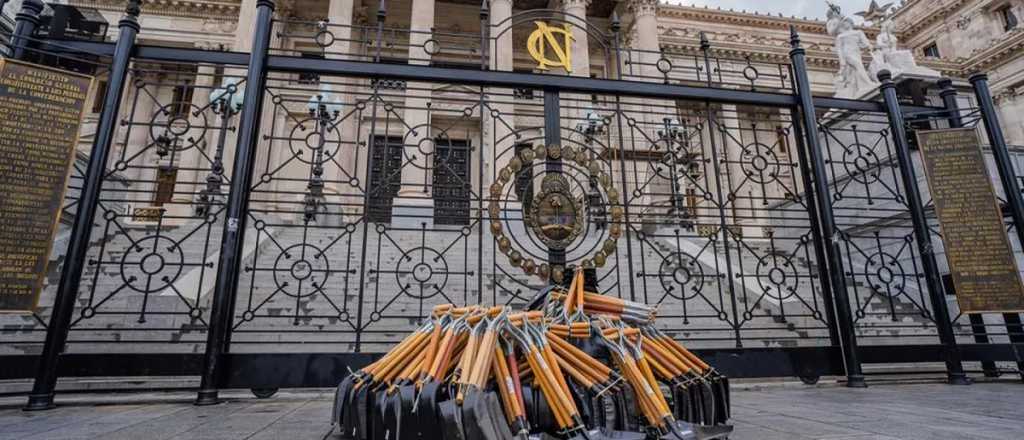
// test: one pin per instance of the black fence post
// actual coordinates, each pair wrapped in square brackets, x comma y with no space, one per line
[25,23]
[71,274]
[1008,177]
[221,313]
[933,280]
[837,275]
[977,320]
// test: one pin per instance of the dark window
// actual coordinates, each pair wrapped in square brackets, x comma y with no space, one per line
[524,181]
[782,139]
[385,177]
[451,186]
[932,50]
[97,101]
[166,177]
[181,102]
[308,77]
[1009,18]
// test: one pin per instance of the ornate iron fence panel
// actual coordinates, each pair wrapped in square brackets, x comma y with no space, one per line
[149,274]
[889,299]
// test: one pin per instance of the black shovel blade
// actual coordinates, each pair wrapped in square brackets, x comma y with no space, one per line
[407,427]
[720,432]
[707,395]
[340,399]
[682,405]
[476,420]
[361,413]
[681,430]
[378,430]
[607,434]
[391,411]
[724,399]
[451,420]
[344,407]
[497,416]
[427,414]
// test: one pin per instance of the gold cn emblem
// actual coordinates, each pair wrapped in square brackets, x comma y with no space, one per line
[545,36]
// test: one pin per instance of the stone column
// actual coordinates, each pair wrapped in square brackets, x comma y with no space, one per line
[734,172]
[576,13]
[148,161]
[246,25]
[138,136]
[645,31]
[501,127]
[190,177]
[644,41]
[340,17]
[414,204]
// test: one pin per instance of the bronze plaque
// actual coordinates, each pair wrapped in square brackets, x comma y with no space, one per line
[41,111]
[981,261]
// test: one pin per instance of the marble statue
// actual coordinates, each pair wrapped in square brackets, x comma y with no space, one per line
[852,80]
[888,56]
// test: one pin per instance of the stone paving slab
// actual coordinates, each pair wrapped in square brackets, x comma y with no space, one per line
[983,411]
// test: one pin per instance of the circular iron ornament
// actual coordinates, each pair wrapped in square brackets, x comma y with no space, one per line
[664,65]
[306,140]
[299,266]
[421,269]
[432,47]
[324,38]
[556,217]
[885,274]
[158,262]
[860,162]
[170,128]
[751,73]
[776,276]
[681,276]
[760,163]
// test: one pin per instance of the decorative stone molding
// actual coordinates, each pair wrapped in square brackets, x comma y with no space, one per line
[744,19]
[643,8]
[226,9]
[566,4]
[1001,50]
[212,25]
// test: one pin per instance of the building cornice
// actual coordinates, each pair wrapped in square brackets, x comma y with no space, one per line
[741,18]
[173,8]
[995,54]
[936,13]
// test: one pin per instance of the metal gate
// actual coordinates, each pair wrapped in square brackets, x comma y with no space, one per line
[271,219]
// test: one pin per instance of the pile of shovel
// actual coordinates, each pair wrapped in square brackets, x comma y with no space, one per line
[574,365]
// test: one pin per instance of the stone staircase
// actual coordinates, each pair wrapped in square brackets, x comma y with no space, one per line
[379,290]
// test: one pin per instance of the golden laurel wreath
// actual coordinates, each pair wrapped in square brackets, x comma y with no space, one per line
[555,199]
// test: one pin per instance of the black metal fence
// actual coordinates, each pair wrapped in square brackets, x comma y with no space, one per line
[270,220]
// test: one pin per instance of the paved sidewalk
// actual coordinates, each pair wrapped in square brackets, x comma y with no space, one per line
[787,412]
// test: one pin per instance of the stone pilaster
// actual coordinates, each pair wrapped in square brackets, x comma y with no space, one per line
[246,26]
[340,17]
[499,129]
[414,197]
[576,13]
[190,176]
